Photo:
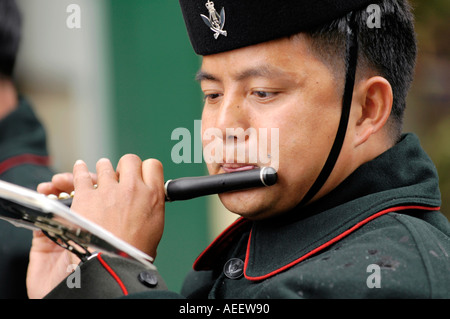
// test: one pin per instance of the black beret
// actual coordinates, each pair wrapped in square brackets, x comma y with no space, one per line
[223,25]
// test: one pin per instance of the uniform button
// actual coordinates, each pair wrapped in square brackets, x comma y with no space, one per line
[148,279]
[234,268]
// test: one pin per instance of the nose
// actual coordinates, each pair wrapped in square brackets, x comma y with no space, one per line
[234,123]
[231,116]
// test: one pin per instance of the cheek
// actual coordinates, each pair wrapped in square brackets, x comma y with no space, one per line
[207,127]
[305,142]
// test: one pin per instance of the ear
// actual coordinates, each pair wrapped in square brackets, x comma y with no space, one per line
[375,99]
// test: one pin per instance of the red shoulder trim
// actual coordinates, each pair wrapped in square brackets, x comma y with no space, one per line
[330,242]
[23,159]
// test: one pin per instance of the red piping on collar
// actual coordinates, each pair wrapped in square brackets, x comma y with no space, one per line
[221,239]
[328,243]
[23,159]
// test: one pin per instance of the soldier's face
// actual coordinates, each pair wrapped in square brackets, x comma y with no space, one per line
[281,88]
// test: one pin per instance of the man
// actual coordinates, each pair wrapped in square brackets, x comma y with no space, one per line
[354,213]
[23,153]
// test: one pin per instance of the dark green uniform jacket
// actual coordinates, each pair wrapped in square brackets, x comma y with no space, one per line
[377,235]
[24,161]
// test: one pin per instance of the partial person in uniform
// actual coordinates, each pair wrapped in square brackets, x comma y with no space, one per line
[355,211]
[24,159]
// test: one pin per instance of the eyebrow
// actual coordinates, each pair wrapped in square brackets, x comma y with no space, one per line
[202,76]
[263,71]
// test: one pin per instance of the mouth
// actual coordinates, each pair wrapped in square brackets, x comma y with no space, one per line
[234,167]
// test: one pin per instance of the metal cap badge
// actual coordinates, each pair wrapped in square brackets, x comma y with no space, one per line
[215,21]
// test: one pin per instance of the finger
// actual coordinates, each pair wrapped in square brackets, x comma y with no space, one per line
[129,169]
[94,178]
[63,182]
[47,188]
[38,233]
[105,172]
[81,177]
[152,173]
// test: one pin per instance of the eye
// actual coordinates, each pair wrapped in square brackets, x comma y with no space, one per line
[211,97]
[264,95]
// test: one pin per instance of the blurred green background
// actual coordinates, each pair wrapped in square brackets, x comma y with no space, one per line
[125,80]
[154,92]
[428,108]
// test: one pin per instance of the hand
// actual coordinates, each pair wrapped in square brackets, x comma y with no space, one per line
[49,262]
[48,266]
[128,202]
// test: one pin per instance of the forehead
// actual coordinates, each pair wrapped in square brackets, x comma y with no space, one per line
[287,55]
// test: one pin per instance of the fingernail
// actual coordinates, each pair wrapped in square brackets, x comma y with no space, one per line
[79,162]
[106,160]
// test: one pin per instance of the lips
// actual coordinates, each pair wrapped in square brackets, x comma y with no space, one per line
[233,167]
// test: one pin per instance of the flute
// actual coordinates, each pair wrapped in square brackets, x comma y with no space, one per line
[191,187]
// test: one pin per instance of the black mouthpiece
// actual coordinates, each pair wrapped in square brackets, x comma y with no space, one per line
[192,187]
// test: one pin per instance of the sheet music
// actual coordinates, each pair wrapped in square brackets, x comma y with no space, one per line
[26,208]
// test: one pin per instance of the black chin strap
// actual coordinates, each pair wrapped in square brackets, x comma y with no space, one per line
[351,62]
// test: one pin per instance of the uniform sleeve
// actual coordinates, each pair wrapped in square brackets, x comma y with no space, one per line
[108,277]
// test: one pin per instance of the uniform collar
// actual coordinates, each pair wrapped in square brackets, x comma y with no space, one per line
[376,188]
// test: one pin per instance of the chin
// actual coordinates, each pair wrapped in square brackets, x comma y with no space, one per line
[251,204]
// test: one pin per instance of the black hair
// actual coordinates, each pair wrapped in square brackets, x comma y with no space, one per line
[388,50]
[10,34]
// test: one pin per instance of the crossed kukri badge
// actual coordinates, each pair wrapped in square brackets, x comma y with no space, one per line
[215,21]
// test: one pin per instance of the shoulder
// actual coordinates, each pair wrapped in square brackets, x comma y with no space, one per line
[394,256]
